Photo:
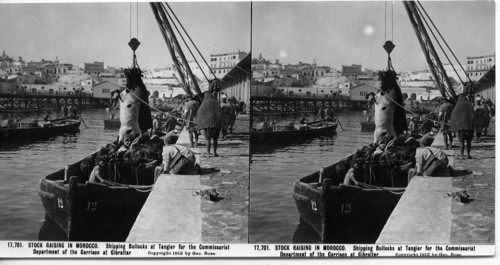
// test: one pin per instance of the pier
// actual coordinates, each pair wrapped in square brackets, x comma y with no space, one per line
[284,105]
[174,212]
[426,214]
[24,102]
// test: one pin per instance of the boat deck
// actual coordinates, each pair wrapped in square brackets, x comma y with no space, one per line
[423,214]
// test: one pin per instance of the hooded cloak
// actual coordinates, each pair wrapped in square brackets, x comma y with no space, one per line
[209,113]
[462,116]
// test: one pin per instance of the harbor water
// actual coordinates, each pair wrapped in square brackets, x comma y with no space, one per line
[24,163]
[274,218]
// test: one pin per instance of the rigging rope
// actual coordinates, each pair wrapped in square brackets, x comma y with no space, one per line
[187,34]
[439,43]
[392,21]
[185,43]
[432,22]
[385,20]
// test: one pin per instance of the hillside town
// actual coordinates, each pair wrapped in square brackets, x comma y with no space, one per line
[95,79]
[354,81]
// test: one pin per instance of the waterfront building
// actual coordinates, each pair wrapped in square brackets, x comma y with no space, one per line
[351,71]
[236,83]
[263,89]
[104,89]
[455,76]
[95,68]
[486,86]
[477,66]
[222,63]
[421,93]
[358,93]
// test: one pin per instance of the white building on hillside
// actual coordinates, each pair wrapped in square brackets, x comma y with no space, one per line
[104,89]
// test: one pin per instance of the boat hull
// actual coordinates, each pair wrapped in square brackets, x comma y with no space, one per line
[28,133]
[343,213]
[291,135]
[367,126]
[112,124]
[88,211]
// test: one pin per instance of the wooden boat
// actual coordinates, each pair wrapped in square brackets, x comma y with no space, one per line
[112,124]
[344,213]
[367,126]
[55,127]
[310,130]
[89,211]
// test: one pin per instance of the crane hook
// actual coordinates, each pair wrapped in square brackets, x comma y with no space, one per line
[134,44]
[388,47]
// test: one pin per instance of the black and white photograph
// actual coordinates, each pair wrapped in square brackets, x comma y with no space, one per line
[124,122]
[373,122]
[214,130]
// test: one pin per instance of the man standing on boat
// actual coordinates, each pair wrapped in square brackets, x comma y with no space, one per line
[157,124]
[329,114]
[444,119]
[321,113]
[189,116]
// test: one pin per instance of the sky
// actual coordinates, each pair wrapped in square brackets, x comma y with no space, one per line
[345,33]
[88,32]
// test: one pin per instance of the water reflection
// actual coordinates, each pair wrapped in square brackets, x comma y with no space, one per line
[50,231]
[274,217]
[305,234]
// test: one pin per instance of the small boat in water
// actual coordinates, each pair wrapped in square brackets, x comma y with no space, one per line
[290,132]
[112,124]
[34,129]
[367,126]
[91,211]
[354,212]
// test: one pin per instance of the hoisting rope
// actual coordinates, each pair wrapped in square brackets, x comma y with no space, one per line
[425,12]
[134,44]
[389,45]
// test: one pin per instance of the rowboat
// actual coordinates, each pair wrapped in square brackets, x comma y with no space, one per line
[112,124]
[348,213]
[35,130]
[91,211]
[367,126]
[297,133]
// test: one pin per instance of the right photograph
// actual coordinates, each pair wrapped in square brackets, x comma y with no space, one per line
[372,122]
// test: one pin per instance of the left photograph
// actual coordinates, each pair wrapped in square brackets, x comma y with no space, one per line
[125,122]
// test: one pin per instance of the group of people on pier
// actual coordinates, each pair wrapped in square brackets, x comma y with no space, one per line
[210,117]
[470,115]
[464,119]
